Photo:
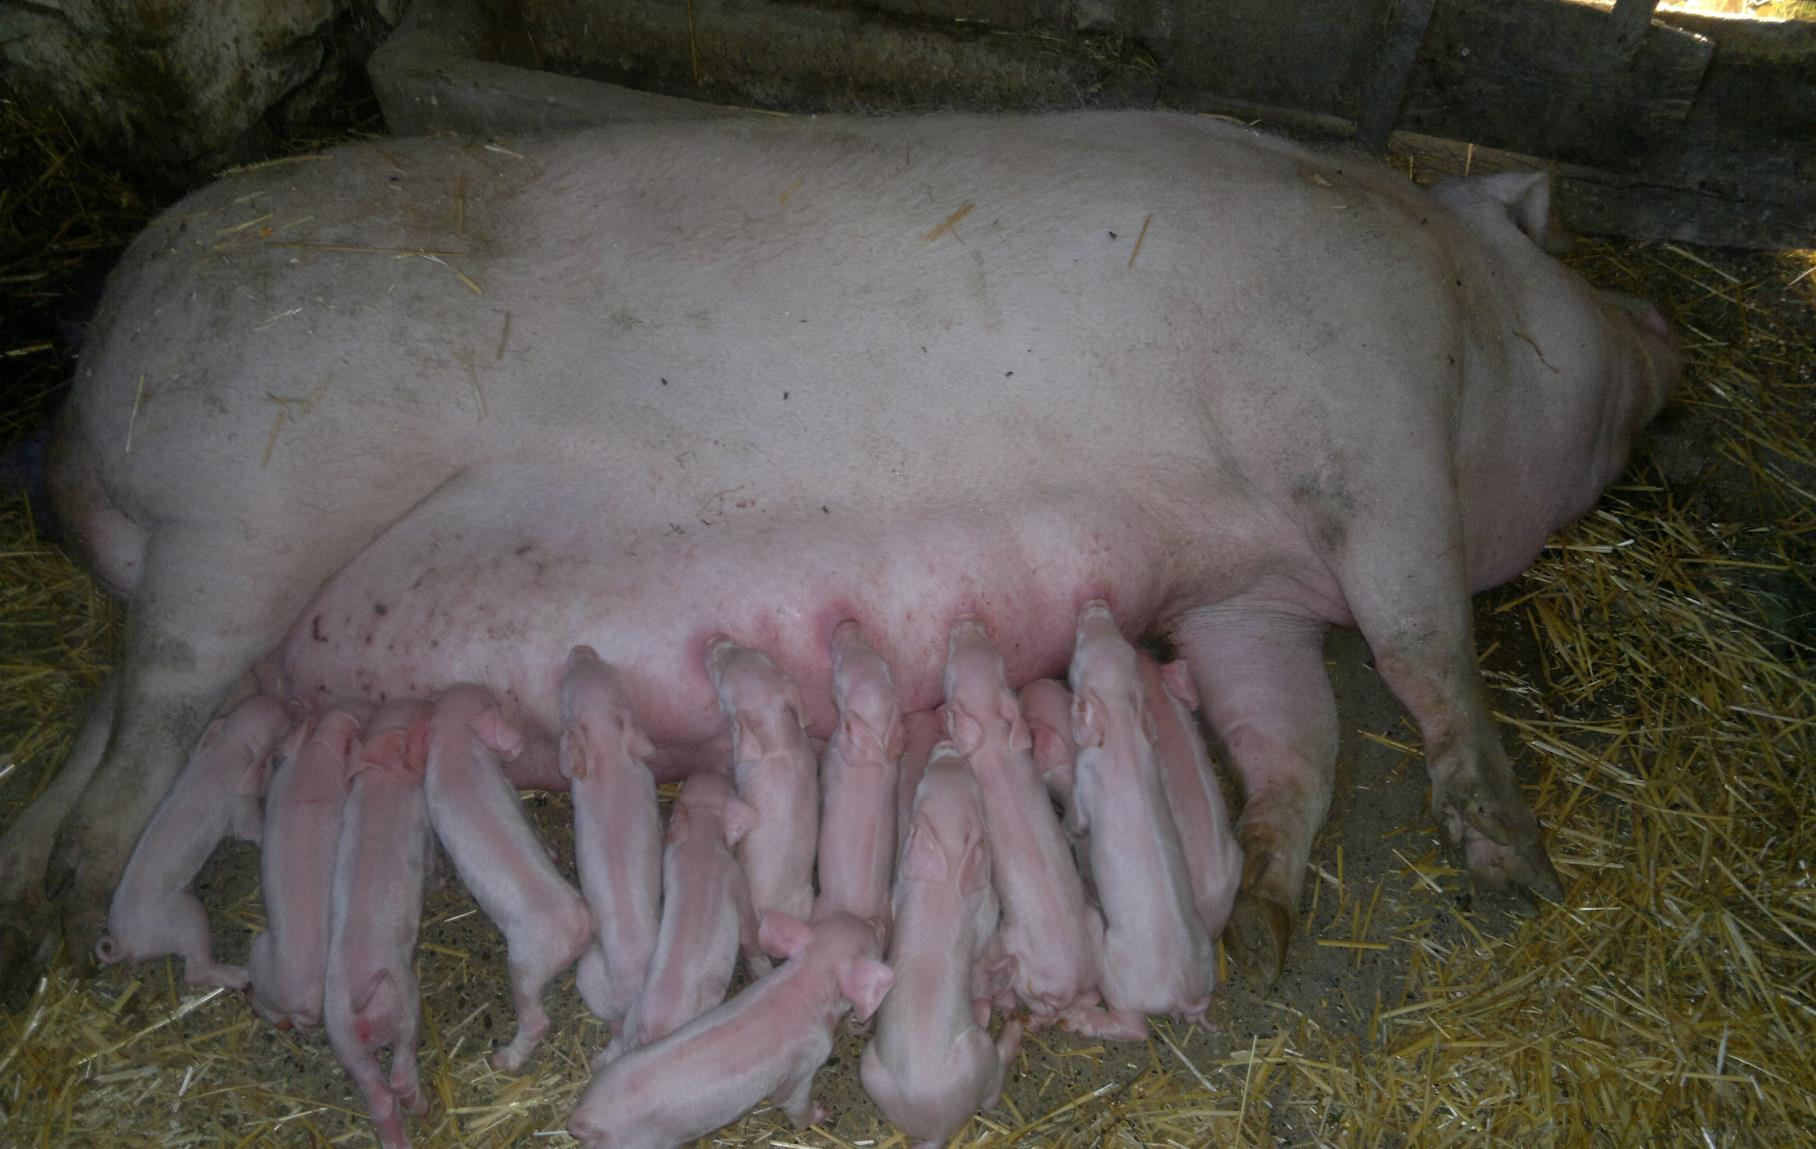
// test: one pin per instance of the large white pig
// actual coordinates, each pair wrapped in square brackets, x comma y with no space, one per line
[666,381]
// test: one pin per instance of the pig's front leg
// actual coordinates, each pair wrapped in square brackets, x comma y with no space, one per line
[1410,598]
[1260,671]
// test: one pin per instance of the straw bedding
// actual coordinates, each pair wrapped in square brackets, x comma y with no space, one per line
[1653,671]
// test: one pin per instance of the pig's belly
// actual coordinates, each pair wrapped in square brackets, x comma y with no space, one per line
[474,588]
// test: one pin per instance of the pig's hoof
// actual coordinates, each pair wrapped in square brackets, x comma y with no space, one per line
[1256,936]
[28,941]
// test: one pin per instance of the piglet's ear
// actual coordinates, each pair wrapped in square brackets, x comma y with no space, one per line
[865,983]
[782,935]
[974,869]
[1020,741]
[211,735]
[1176,676]
[416,744]
[1087,719]
[967,732]
[922,858]
[573,756]
[739,819]
[637,746]
[680,824]
[498,733]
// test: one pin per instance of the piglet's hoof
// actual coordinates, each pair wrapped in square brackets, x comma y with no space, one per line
[1256,937]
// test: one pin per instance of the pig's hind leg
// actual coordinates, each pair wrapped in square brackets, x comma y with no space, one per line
[28,933]
[1402,571]
[1260,672]
[208,605]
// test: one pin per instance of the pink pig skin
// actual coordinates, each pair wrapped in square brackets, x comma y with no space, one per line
[1156,955]
[706,915]
[933,1064]
[617,832]
[1194,798]
[370,1001]
[859,772]
[1046,706]
[154,912]
[767,1042]
[1049,935]
[922,730]
[482,827]
[775,771]
[302,831]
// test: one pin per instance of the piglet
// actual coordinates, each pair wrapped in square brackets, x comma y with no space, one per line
[933,1064]
[767,1042]
[302,831]
[1046,705]
[922,730]
[706,914]
[617,832]
[858,776]
[775,771]
[1050,935]
[370,1000]
[1213,859]
[154,911]
[482,827]
[1156,954]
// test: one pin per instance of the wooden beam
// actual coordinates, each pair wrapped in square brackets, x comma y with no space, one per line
[1393,68]
[1629,23]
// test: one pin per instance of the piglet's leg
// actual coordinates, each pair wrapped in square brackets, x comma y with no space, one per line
[797,1101]
[1410,598]
[1260,672]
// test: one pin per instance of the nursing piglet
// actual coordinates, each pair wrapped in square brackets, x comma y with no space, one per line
[922,730]
[617,832]
[858,777]
[370,1000]
[1156,954]
[296,864]
[483,830]
[933,1064]
[1213,859]
[768,1042]
[154,911]
[775,771]
[1050,935]
[706,914]
[1046,706]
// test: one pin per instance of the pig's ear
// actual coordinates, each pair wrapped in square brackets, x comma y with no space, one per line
[1020,741]
[497,732]
[1527,197]
[922,858]
[864,983]
[1087,719]
[680,824]
[974,869]
[572,756]
[637,746]
[967,732]
[782,935]
[739,818]
[1176,676]
[1049,747]
[416,744]
[211,735]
